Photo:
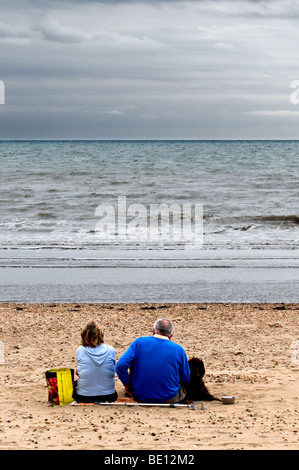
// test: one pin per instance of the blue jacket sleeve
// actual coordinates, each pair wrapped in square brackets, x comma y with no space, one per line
[124,362]
[185,373]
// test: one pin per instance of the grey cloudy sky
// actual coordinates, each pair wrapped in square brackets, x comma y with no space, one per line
[149,69]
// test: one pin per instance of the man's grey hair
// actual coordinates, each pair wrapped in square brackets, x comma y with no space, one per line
[163,326]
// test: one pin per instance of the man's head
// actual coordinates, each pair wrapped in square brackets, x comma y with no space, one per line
[164,327]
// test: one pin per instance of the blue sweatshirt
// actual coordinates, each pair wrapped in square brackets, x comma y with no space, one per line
[160,366]
[96,370]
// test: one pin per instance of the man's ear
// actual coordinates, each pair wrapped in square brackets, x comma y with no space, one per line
[154,331]
[170,336]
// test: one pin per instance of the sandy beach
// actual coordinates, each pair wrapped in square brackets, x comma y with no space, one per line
[250,351]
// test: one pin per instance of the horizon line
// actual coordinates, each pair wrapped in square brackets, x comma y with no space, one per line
[143,140]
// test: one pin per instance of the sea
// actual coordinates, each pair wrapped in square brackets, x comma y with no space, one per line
[83,221]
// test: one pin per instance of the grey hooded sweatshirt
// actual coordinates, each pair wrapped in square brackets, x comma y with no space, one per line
[96,370]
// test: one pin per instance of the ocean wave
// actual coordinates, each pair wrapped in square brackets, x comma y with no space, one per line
[247,222]
[47,215]
[292,220]
[50,190]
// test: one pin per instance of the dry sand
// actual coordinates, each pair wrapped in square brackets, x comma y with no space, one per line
[249,351]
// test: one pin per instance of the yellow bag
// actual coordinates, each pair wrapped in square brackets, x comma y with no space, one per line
[60,384]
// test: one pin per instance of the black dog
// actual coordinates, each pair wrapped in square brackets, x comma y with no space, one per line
[196,389]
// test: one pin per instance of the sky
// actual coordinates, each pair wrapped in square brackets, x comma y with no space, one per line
[204,69]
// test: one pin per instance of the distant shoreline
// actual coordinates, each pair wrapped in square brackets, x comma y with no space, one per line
[149,140]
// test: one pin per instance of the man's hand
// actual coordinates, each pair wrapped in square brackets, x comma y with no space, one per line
[129,390]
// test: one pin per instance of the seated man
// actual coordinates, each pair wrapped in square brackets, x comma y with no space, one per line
[159,367]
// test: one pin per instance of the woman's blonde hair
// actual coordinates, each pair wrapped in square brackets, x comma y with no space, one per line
[92,335]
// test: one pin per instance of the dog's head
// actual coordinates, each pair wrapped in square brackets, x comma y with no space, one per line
[196,367]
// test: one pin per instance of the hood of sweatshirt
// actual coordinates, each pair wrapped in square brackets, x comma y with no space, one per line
[99,353]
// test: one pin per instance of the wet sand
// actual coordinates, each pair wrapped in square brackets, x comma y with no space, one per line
[250,351]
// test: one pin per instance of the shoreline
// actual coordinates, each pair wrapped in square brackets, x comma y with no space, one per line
[249,351]
[186,276]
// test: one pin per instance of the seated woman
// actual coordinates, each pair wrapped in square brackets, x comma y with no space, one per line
[96,368]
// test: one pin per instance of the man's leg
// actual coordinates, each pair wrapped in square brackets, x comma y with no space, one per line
[179,397]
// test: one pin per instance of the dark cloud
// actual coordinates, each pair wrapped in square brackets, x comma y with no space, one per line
[202,69]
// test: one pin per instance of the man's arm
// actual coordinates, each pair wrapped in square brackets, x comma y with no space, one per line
[124,363]
[185,374]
